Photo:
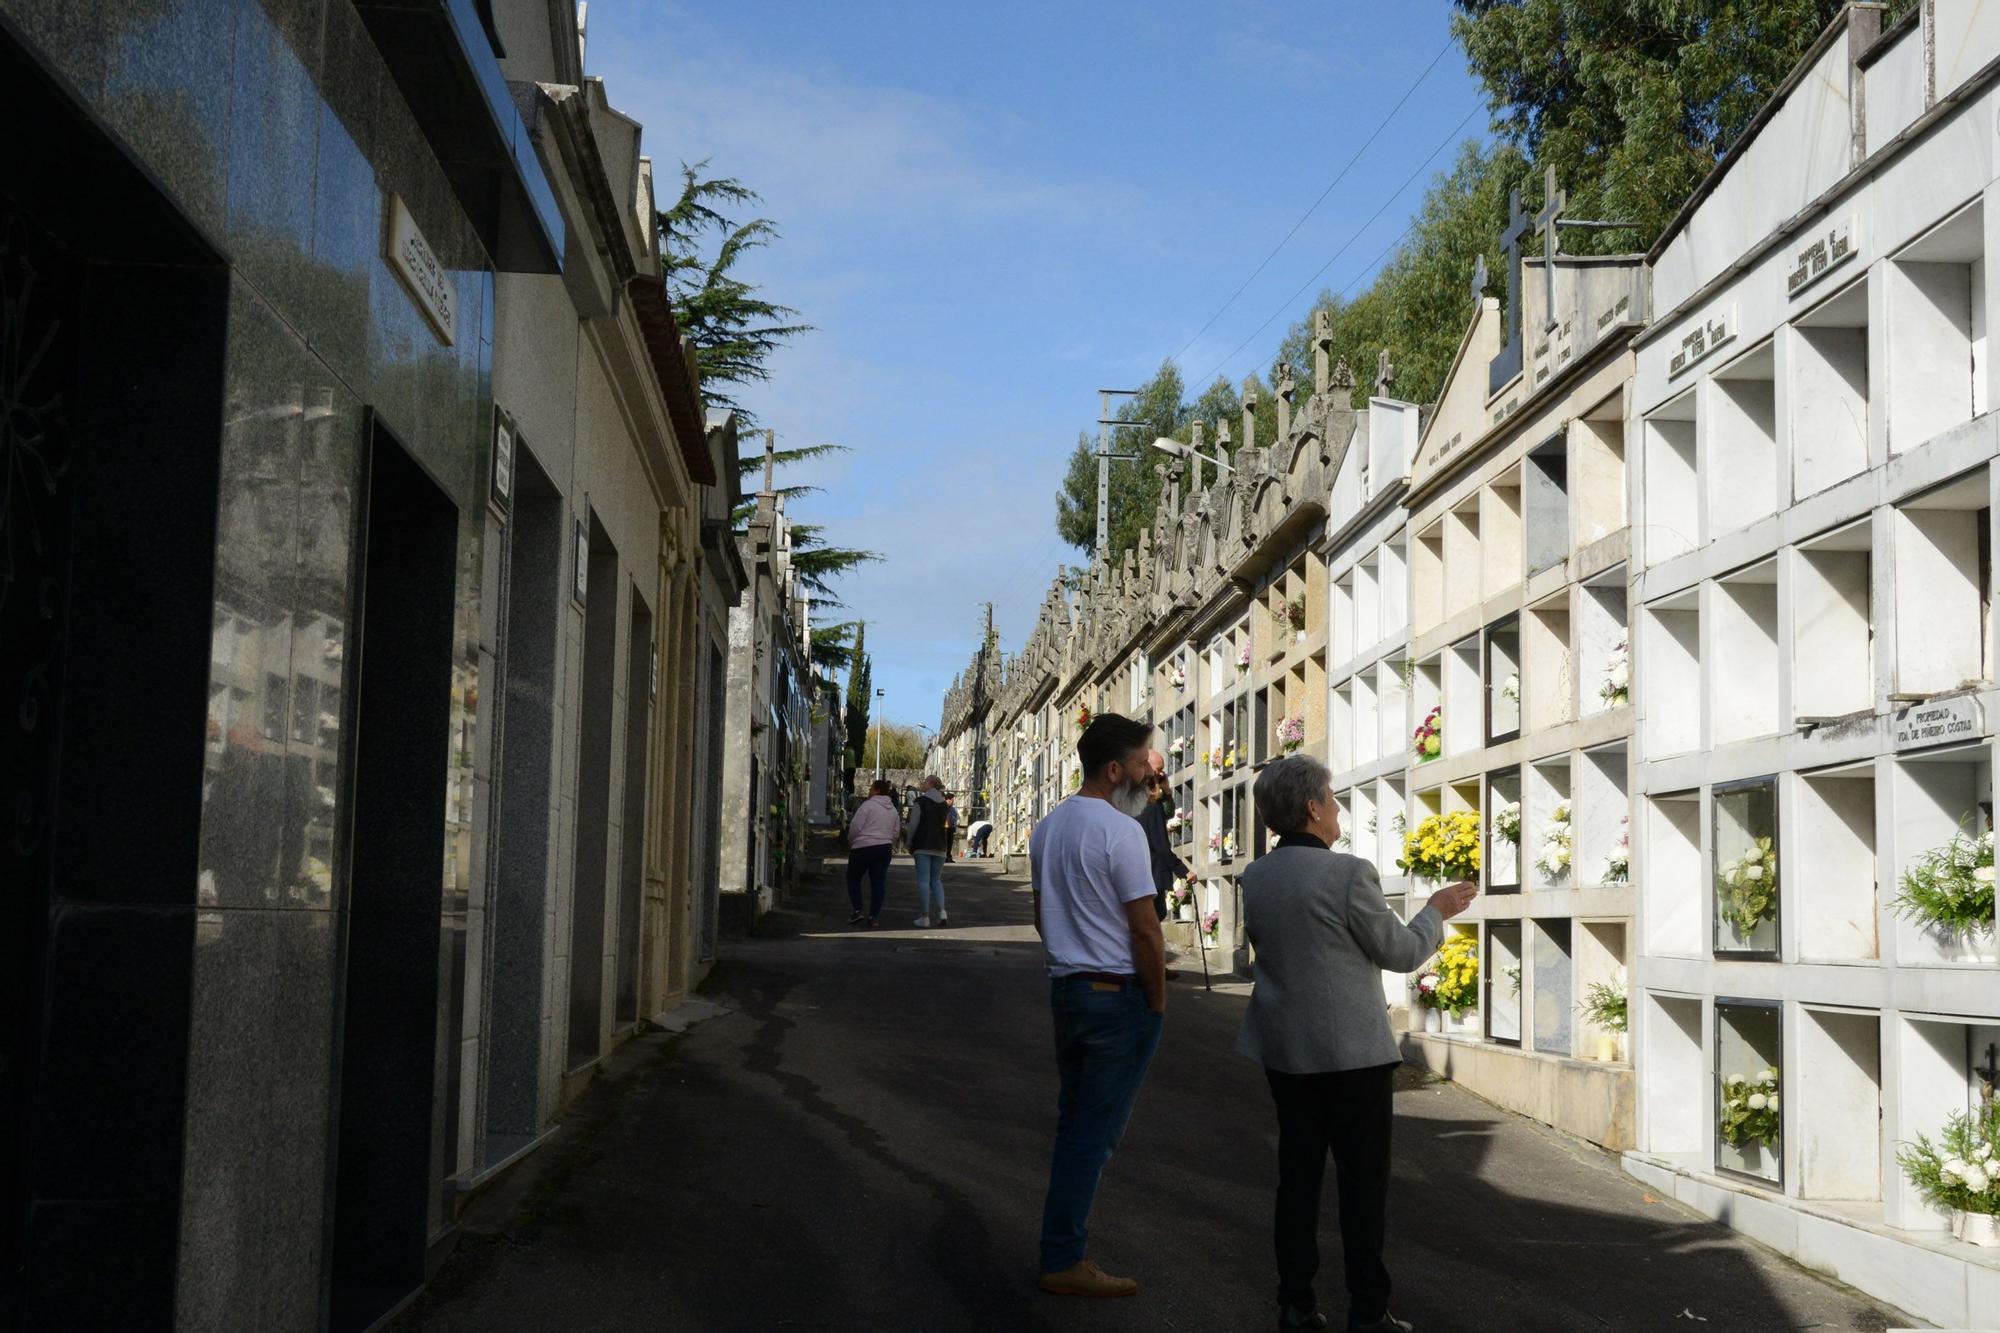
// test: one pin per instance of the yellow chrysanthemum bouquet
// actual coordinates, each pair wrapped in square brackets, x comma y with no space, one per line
[1451,982]
[1443,847]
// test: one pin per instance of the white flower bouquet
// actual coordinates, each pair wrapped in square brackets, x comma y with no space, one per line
[1510,688]
[1746,889]
[1507,822]
[1617,686]
[1554,857]
[1750,1109]
[1961,1171]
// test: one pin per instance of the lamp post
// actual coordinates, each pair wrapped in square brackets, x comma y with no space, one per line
[878,739]
[1179,450]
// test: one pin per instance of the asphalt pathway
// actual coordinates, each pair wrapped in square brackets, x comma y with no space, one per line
[855,1136]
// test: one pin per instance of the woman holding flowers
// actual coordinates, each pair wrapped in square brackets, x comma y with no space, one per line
[1323,936]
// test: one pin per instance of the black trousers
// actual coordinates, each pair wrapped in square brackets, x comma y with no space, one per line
[1349,1114]
[874,863]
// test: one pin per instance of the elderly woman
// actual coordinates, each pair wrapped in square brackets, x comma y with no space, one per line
[1322,936]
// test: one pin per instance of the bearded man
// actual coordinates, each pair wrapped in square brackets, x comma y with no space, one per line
[1106,957]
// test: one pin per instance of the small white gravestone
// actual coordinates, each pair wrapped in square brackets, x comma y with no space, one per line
[1938,722]
[422,272]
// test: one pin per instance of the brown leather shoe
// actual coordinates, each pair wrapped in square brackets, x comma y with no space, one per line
[1085,1278]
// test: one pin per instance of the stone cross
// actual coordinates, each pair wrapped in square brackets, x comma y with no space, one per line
[1249,408]
[1322,349]
[1478,281]
[1546,222]
[770,458]
[1222,448]
[1194,461]
[1385,373]
[1286,390]
[1512,241]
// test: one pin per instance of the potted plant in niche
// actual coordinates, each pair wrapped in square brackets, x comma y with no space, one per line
[1604,1005]
[1243,658]
[1457,970]
[1553,860]
[1291,734]
[1295,616]
[1960,1173]
[1616,688]
[1211,929]
[1443,847]
[1427,985]
[1948,891]
[1507,823]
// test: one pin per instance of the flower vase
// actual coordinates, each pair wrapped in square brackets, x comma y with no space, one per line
[1433,1019]
[1981,1229]
[1607,1047]
[1301,636]
[1752,1159]
[1185,912]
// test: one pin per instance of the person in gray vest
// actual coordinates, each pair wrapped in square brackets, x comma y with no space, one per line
[1322,935]
[927,833]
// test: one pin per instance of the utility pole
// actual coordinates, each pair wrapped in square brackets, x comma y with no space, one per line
[878,739]
[1104,459]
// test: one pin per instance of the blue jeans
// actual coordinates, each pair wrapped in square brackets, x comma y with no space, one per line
[930,883]
[1105,1039]
[874,863]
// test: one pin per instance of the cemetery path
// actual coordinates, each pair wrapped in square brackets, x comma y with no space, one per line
[855,1136]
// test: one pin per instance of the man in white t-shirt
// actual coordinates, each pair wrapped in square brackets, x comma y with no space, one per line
[1093,887]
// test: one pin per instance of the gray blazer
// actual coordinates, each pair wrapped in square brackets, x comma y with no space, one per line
[1323,936]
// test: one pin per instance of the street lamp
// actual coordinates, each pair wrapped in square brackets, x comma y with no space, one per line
[1179,450]
[879,693]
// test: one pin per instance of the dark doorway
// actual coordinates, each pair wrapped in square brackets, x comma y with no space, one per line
[401,681]
[593,800]
[632,827]
[107,552]
[531,625]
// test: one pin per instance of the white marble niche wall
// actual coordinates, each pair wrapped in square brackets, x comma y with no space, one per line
[1548,680]
[1833,628]
[1828,397]
[1936,796]
[1427,578]
[1601,812]
[1545,483]
[1743,636]
[1367,729]
[1601,631]
[1597,477]
[1673,893]
[1344,726]
[1675,1116]
[1942,542]
[1600,960]
[1392,706]
[1394,566]
[1501,533]
[1464,698]
[1463,558]
[1670,504]
[1367,609]
[1548,793]
[1937,330]
[1346,619]
[1832,869]
[1669,662]
[1837,1086]
[1740,442]
[1391,820]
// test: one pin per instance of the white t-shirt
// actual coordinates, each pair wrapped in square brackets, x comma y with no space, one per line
[1088,859]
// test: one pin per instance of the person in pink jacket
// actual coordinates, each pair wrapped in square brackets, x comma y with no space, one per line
[871,840]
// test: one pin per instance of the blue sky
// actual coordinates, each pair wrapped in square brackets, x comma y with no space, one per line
[989,212]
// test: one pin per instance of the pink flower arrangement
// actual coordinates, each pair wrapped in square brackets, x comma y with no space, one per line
[1243,658]
[1291,733]
[1211,925]
[1428,742]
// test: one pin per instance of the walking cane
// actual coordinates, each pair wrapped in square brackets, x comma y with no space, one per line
[1200,946]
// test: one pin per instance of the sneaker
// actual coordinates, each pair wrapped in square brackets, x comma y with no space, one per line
[1291,1317]
[872,923]
[857,918]
[944,921]
[1085,1278]
[922,922]
[1388,1323]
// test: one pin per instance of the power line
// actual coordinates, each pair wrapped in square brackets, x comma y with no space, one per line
[1448,140]
[1282,241]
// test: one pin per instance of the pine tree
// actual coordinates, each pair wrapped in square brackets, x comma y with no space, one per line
[860,687]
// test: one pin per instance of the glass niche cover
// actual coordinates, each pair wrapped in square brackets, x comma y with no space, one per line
[1749,1073]
[1746,868]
